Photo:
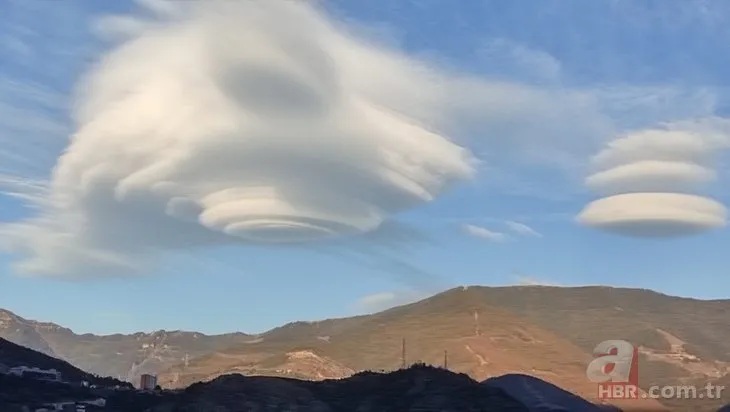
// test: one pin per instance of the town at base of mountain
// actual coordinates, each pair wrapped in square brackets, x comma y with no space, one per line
[51,384]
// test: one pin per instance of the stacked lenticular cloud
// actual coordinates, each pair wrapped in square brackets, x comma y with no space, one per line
[652,181]
[223,123]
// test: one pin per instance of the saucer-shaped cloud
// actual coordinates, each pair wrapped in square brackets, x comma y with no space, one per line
[667,144]
[654,214]
[651,176]
[230,122]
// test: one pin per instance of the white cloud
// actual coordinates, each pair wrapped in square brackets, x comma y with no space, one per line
[522,229]
[654,214]
[650,176]
[385,300]
[224,124]
[679,143]
[530,281]
[218,122]
[484,233]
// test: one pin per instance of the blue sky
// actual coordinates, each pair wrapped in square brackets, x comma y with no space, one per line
[606,68]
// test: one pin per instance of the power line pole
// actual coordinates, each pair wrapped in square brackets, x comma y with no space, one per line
[446,359]
[403,354]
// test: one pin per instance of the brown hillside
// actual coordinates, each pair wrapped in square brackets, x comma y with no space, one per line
[479,339]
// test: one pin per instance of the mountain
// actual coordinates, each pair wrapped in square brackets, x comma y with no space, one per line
[418,388]
[681,341]
[22,332]
[476,338]
[547,332]
[121,356]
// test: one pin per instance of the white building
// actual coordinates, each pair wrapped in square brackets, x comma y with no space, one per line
[35,373]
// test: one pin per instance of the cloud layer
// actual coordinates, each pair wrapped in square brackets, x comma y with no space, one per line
[218,122]
[651,179]
[221,123]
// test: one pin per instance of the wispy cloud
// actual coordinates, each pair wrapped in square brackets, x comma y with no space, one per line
[385,300]
[42,49]
[32,192]
[484,233]
[508,57]
[531,281]
[518,230]
[522,229]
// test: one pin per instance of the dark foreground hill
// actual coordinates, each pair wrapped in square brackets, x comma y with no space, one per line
[12,355]
[418,388]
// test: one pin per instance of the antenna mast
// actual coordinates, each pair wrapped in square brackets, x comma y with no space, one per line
[403,354]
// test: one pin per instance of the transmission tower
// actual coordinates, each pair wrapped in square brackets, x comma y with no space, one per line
[403,354]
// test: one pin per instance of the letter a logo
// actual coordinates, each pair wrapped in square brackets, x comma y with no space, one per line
[616,362]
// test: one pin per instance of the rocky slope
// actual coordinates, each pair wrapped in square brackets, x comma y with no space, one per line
[121,356]
[547,332]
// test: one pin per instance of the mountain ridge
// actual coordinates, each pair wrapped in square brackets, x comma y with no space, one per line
[545,331]
[123,356]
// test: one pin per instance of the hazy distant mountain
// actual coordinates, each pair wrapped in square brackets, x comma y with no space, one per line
[120,356]
[22,332]
[12,355]
[547,332]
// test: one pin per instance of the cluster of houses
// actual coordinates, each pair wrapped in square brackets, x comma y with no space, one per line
[73,406]
[147,383]
[51,375]
[34,373]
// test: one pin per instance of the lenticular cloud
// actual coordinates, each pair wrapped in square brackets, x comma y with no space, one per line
[224,123]
[650,178]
